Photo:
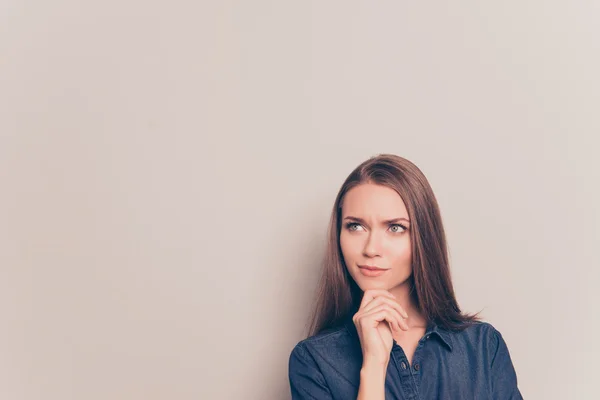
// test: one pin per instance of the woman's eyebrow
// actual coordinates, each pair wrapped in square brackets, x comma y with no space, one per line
[389,221]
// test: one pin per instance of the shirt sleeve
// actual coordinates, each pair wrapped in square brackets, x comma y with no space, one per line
[306,380]
[503,375]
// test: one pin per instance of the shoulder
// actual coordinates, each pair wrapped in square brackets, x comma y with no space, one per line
[309,355]
[479,329]
[328,345]
[480,337]
[326,339]
[316,362]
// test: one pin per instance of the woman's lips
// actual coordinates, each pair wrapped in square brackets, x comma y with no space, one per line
[371,271]
[372,267]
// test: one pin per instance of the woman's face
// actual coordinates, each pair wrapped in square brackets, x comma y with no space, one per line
[374,232]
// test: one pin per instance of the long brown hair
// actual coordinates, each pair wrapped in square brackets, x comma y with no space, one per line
[338,296]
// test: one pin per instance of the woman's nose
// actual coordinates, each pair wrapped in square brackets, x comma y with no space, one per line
[373,245]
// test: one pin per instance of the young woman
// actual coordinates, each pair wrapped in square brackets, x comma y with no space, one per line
[386,323]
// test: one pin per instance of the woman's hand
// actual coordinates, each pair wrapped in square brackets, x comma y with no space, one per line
[375,335]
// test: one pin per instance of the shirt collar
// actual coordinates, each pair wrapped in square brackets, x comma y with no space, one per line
[443,334]
[432,329]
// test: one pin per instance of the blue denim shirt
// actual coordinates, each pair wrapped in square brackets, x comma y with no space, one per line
[472,364]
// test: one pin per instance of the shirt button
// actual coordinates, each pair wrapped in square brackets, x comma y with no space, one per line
[416,367]
[426,337]
[403,365]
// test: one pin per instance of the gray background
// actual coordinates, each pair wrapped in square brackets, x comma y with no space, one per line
[167,172]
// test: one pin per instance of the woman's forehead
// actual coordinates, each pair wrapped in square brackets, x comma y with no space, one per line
[372,200]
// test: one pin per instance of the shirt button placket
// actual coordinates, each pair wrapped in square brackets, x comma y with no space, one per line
[404,373]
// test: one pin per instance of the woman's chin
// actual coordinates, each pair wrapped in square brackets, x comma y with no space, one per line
[373,284]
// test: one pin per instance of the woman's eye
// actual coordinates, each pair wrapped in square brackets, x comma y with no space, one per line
[397,226]
[351,225]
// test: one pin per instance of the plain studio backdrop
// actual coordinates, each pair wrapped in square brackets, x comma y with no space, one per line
[168,169]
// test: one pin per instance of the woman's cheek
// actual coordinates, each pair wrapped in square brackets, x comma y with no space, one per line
[346,247]
[348,244]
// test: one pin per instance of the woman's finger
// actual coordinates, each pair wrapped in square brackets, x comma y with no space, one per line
[388,315]
[370,294]
[392,316]
[393,304]
[380,299]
